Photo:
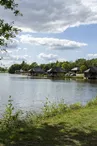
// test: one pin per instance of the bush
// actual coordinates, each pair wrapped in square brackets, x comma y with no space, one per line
[52,109]
[92,102]
[10,123]
[75,106]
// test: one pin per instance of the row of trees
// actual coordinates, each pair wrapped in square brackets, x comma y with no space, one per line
[23,66]
[83,64]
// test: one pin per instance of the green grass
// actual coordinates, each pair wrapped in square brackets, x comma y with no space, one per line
[57,125]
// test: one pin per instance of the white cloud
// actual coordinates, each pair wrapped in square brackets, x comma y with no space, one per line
[25,49]
[90,56]
[52,15]
[10,57]
[52,43]
[48,57]
[62,59]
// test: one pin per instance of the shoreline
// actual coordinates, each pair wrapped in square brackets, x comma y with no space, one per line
[81,78]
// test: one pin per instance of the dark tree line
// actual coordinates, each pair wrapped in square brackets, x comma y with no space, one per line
[3,69]
[83,64]
[23,66]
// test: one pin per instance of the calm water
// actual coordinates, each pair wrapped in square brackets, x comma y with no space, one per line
[30,94]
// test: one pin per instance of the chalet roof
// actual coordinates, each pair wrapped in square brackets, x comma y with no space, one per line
[75,69]
[29,70]
[37,69]
[92,69]
[88,70]
[56,70]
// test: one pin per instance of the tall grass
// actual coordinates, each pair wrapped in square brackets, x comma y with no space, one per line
[15,129]
[53,109]
[10,124]
[92,102]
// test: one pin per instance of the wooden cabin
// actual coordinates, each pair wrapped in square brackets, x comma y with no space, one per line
[75,70]
[55,71]
[19,71]
[36,71]
[91,73]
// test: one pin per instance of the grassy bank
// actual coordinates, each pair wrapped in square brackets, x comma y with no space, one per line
[57,125]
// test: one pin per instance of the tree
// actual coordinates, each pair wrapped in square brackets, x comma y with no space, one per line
[80,62]
[14,68]
[83,68]
[7,31]
[25,67]
[66,66]
[58,64]
[34,64]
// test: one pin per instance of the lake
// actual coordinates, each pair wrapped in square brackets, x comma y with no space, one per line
[30,94]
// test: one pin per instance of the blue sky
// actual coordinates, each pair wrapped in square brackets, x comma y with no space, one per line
[52,30]
[85,33]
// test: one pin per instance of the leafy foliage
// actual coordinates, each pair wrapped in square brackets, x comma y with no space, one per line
[92,102]
[3,69]
[53,109]
[83,68]
[34,64]
[24,66]
[9,4]
[9,122]
[14,67]
[10,118]
[7,31]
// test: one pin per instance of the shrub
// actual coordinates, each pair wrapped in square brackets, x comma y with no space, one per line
[75,106]
[92,102]
[52,109]
[10,123]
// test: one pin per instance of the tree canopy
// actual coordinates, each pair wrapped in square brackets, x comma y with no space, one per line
[7,30]
[83,65]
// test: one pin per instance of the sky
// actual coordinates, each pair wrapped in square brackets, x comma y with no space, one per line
[51,30]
